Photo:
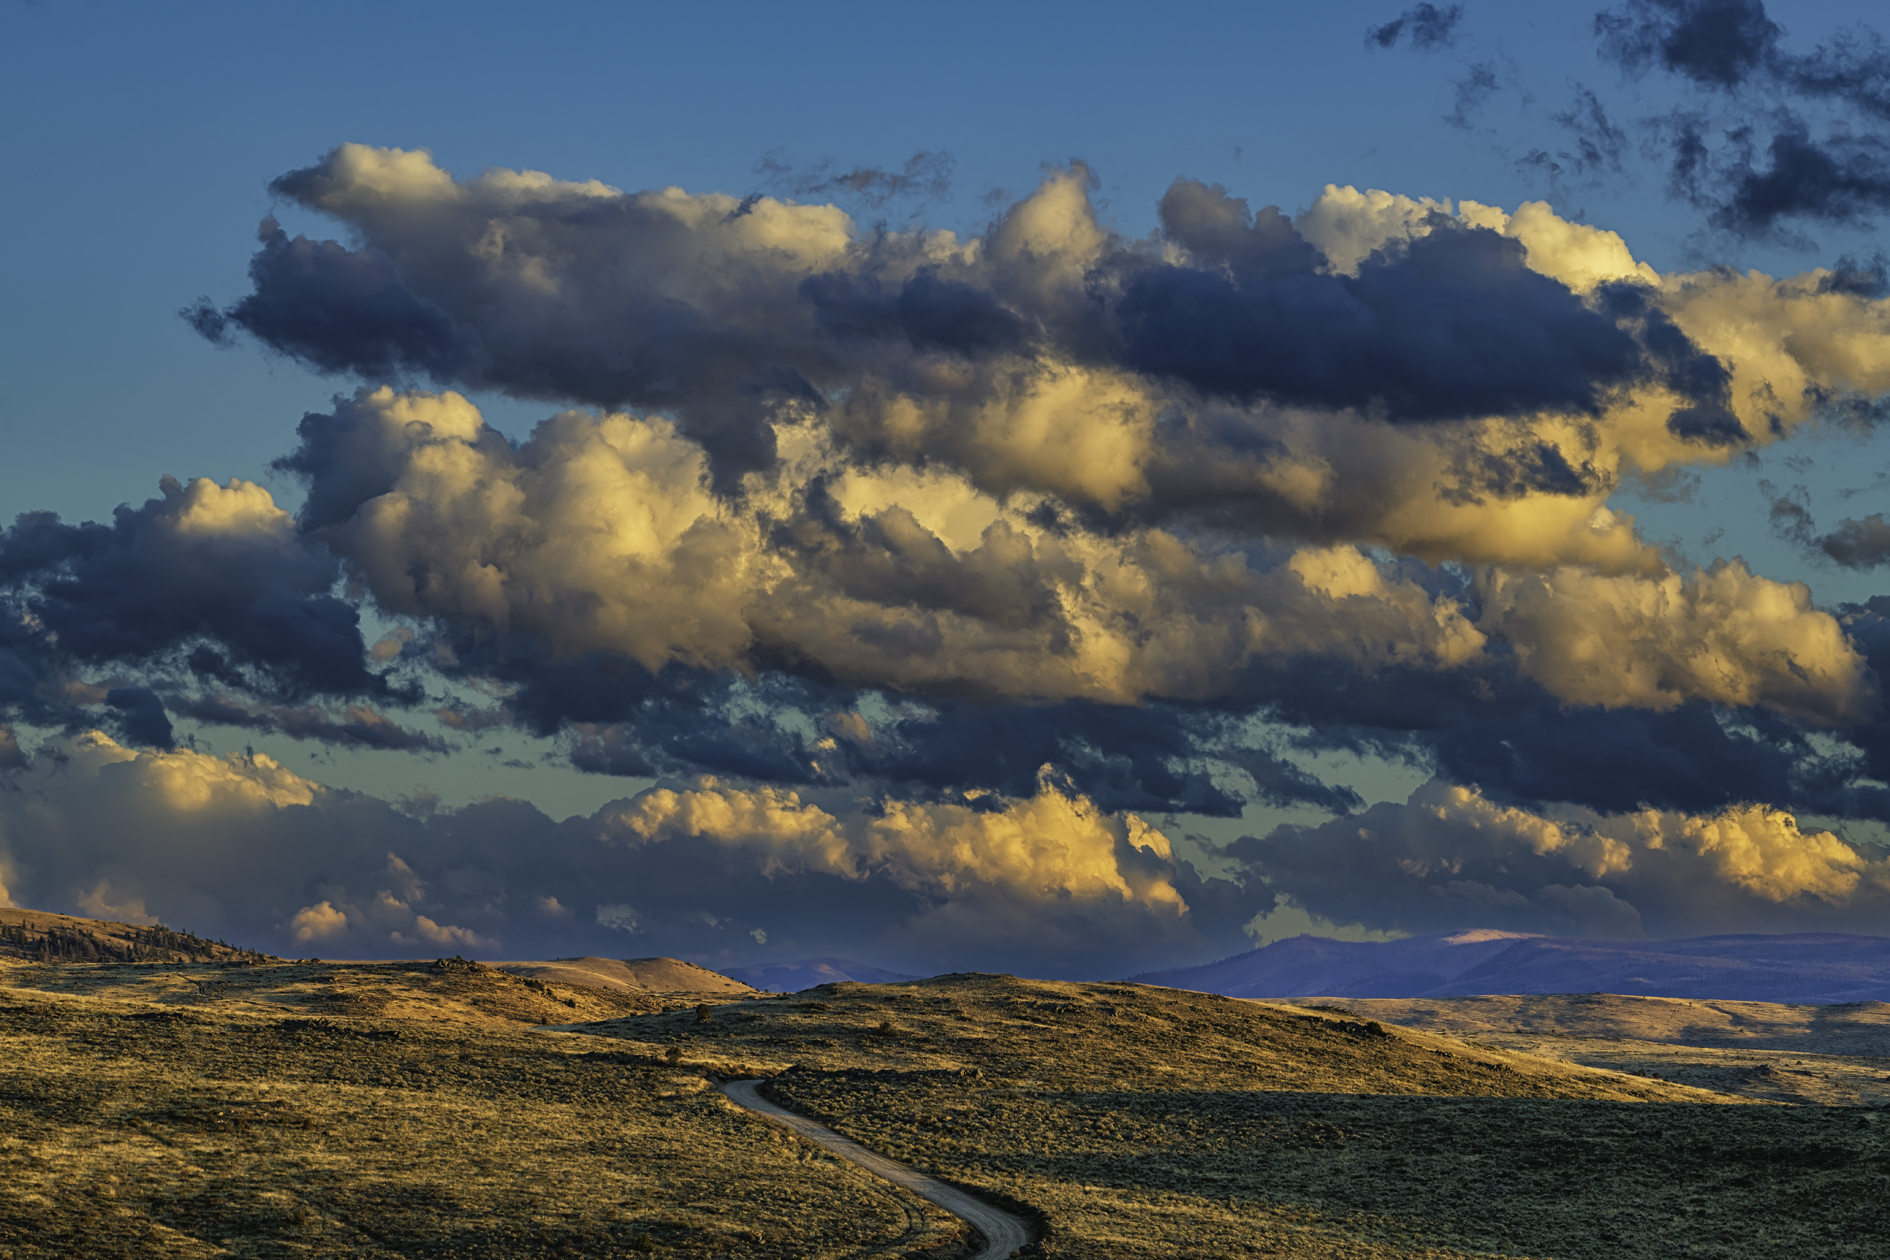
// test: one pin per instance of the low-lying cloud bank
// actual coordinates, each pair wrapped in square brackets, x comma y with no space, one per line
[241,846]
[923,569]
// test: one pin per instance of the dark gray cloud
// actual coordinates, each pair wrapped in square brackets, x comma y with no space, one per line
[356,726]
[1597,146]
[1858,544]
[140,716]
[926,175]
[1700,378]
[1776,137]
[1423,26]
[1454,324]
[206,581]
[140,587]
[342,310]
[930,313]
[1714,43]
[1862,543]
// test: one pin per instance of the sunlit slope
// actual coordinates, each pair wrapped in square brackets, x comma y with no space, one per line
[1060,1034]
[653,975]
[443,989]
[131,1130]
[1837,1054]
[1145,1122]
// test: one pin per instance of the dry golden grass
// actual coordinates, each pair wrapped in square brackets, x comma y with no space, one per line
[1154,1122]
[1835,1056]
[414,1110]
[184,1128]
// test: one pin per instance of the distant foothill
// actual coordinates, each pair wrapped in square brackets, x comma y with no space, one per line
[1804,967]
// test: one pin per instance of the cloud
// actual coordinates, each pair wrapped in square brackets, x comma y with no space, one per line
[1048,847]
[976,352]
[1450,857]
[1775,136]
[1714,43]
[1858,544]
[1725,636]
[1452,325]
[601,534]
[1427,25]
[317,922]
[356,726]
[926,173]
[846,535]
[1016,487]
[342,310]
[212,578]
[242,847]
[1855,543]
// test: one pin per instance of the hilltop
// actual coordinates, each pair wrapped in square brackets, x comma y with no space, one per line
[791,977]
[651,975]
[45,937]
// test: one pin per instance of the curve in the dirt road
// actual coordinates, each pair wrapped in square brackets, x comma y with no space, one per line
[1003,1233]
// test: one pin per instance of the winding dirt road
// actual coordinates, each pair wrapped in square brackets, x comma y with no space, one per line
[1003,1233]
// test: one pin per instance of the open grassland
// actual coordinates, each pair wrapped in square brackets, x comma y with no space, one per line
[1836,1056]
[189,1126]
[1155,1122]
[449,1109]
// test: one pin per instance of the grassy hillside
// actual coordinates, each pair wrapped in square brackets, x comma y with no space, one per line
[192,1126]
[1155,1122]
[42,937]
[450,1109]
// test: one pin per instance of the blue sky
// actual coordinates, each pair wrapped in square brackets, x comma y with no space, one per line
[143,141]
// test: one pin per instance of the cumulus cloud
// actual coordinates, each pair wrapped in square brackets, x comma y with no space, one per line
[742,311]
[602,534]
[208,581]
[1022,470]
[924,568]
[240,845]
[1725,636]
[1048,847]
[1451,857]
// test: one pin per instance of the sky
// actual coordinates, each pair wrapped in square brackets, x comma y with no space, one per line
[1070,490]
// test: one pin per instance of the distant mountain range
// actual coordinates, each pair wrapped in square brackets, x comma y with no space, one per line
[792,977]
[1805,968]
